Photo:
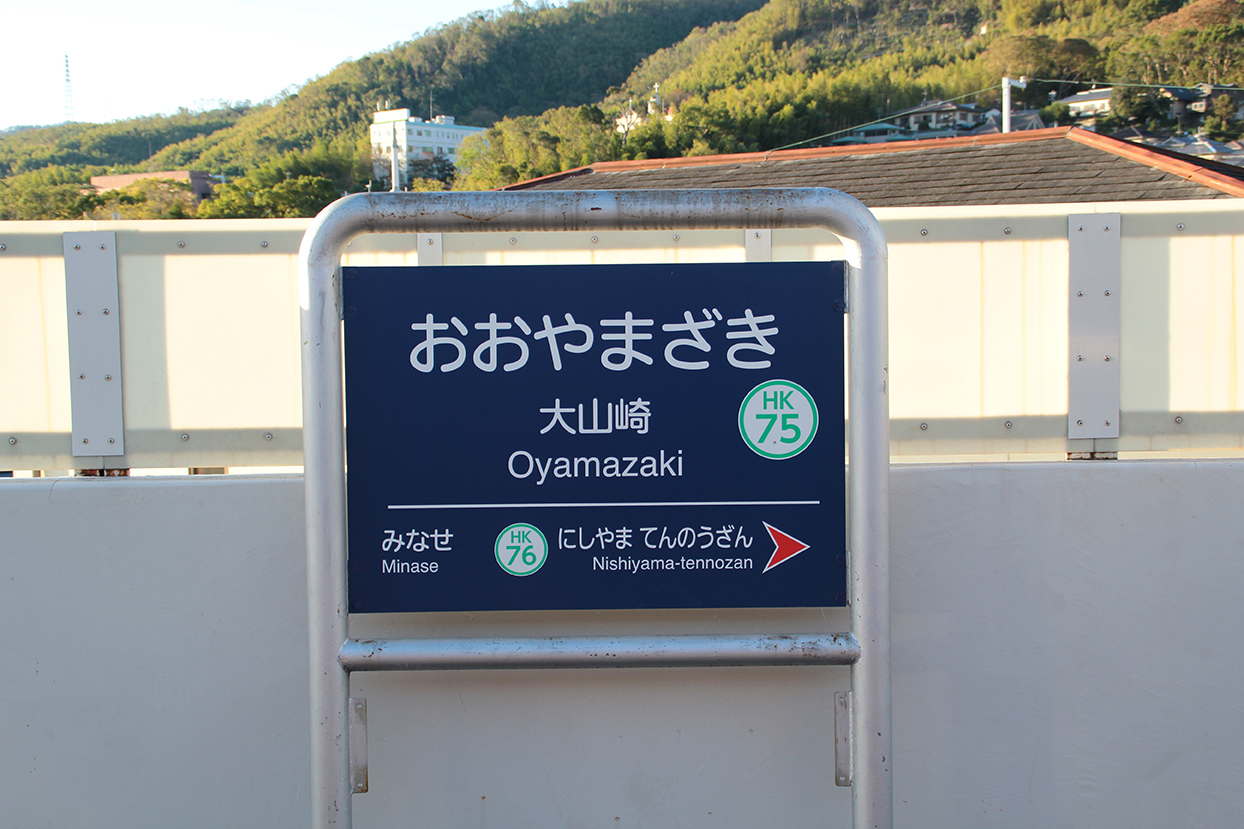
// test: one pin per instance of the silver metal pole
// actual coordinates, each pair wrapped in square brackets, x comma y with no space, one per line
[691,651]
[324,455]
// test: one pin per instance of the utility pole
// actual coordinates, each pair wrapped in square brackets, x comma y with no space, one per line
[68,93]
[1007,83]
[394,168]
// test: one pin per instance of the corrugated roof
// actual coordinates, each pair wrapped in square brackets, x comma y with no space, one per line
[1060,165]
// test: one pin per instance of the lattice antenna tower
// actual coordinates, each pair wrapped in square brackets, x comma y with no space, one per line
[68,93]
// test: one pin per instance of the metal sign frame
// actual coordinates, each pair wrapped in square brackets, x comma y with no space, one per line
[866,647]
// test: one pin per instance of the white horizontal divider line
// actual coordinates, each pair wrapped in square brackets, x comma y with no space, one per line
[615,504]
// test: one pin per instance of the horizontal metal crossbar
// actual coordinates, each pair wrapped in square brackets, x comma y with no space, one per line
[687,651]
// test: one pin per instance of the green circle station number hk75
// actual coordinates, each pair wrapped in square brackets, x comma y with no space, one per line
[778,419]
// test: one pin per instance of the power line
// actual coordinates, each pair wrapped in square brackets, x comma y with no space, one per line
[885,118]
[880,120]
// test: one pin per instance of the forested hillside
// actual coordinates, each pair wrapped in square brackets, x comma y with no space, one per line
[522,60]
[797,70]
[733,75]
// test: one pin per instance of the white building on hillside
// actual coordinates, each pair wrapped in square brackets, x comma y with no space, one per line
[413,138]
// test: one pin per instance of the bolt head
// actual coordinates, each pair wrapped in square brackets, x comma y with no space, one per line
[594,240]
[1008,424]
[1179,226]
[181,244]
[184,436]
[84,440]
[263,244]
[12,441]
[924,231]
[675,238]
[107,376]
[267,436]
[1007,231]
[77,247]
[1079,422]
[924,427]
[111,440]
[1179,420]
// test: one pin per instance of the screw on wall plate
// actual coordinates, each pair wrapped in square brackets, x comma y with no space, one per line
[105,312]
[756,234]
[12,441]
[1007,231]
[1179,420]
[267,436]
[79,313]
[107,376]
[1179,226]
[594,240]
[1079,293]
[924,231]
[81,376]
[184,436]
[101,247]
[84,440]
[1107,422]
[263,244]
[77,247]
[181,244]
[924,427]
[1079,422]
[1081,228]
[1008,424]
[1107,358]
[513,241]
[1107,293]
[431,242]
[675,238]
[110,440]
[1107,227]
[2,247]
[1080,358]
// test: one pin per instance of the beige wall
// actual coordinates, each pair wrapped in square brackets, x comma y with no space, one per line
[978,328]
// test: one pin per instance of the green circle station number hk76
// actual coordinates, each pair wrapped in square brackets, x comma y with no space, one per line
[778,419]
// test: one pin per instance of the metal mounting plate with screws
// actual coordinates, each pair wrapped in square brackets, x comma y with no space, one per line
[94,343]
[1094,325]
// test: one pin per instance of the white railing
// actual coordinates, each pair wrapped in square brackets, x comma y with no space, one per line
[980,336]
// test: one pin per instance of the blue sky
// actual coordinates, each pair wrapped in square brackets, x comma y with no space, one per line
[138,57]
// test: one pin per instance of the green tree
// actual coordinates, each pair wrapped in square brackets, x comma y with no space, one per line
[1220,123]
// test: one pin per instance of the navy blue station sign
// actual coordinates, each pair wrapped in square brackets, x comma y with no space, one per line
[652,436]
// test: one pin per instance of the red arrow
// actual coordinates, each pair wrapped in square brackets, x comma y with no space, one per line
[786,546]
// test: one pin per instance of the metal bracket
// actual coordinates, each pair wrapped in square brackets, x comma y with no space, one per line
[758,245]
[358,745]
[1095,254]
[844,771]
[94,343]
[838,267]
[431,248]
